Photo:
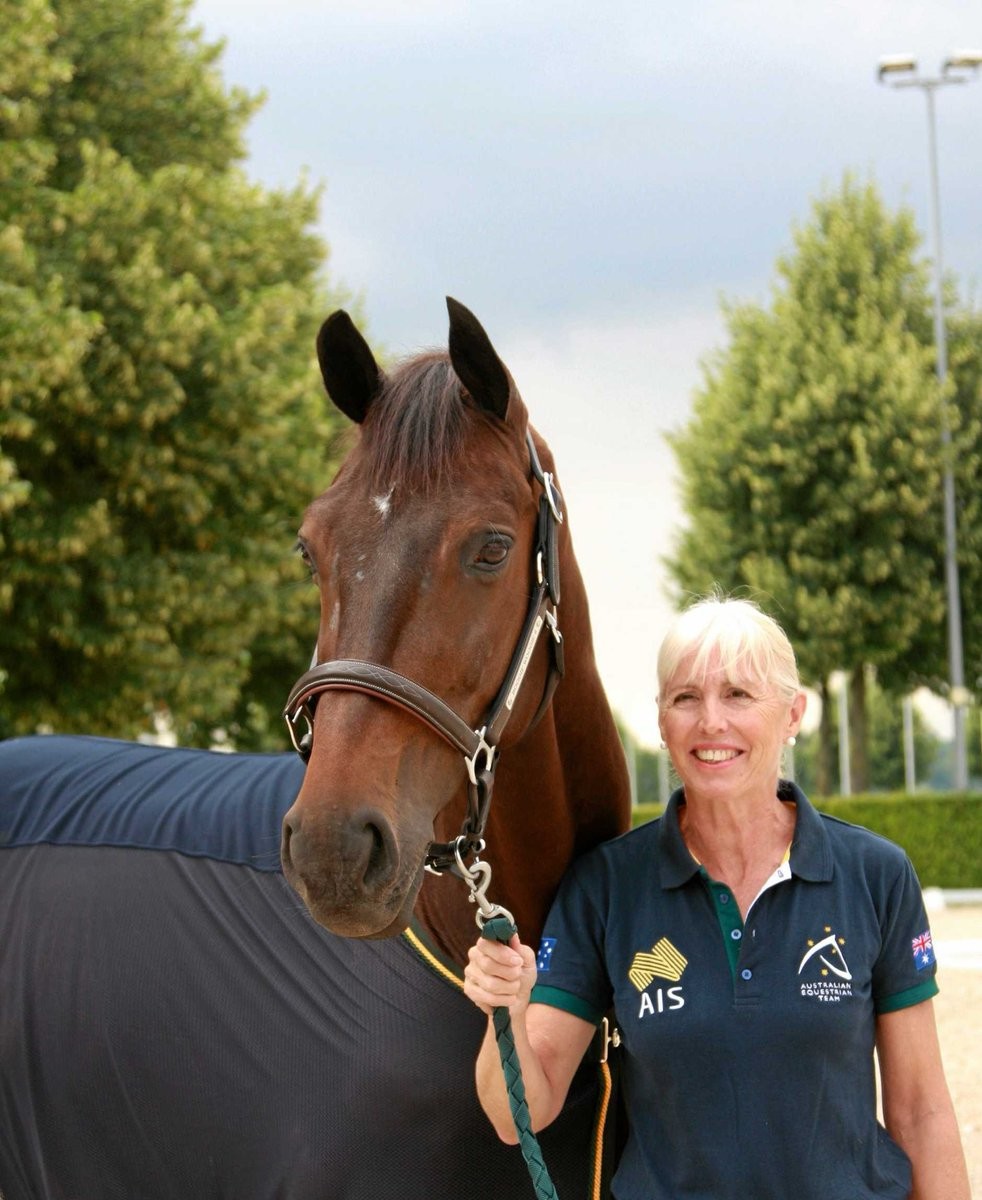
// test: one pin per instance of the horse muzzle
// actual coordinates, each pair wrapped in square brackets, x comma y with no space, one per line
[351,872]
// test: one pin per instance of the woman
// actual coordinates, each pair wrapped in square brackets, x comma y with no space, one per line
[755,954]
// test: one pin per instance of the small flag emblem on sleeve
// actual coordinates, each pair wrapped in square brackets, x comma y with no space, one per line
[543,960]
[923,949]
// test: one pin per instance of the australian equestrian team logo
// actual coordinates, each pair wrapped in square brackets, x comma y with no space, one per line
[823,969]
[662,962]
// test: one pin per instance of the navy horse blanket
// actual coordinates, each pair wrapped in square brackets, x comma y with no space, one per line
[175,1026]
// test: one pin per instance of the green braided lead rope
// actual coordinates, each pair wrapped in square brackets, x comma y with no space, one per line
[501,929]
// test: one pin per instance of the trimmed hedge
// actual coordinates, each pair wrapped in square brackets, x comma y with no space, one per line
[941,832]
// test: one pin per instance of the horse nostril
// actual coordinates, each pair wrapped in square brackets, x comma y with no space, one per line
[286,836]
[336,861]
[380,860]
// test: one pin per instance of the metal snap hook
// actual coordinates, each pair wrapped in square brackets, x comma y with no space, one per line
[477,876]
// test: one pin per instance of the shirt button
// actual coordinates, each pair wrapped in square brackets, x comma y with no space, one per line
[736,934]
[724,898]
[746,973]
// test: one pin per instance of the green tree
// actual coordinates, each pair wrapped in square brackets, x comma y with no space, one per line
[28,312]
[973,740]
[162,425]
[810,470]
[644,765]
[965,362]
[886,747]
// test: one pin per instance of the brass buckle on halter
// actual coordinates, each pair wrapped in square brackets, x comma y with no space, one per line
[610,1035]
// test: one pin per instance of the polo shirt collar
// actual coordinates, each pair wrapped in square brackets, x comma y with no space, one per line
[811,855]
[676,865]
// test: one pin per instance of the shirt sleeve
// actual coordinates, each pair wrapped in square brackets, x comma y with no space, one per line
[905,970]
[572,974]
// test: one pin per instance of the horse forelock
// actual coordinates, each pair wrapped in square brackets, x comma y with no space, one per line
[418,423]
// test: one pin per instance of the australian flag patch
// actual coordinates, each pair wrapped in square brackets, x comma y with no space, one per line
[923,950]
[543,960]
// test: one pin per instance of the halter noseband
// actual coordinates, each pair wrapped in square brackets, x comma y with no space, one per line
[479,747]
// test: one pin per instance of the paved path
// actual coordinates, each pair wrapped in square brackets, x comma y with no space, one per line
[957,932]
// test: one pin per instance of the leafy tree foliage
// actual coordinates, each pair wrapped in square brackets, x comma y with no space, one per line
[161,421]
[811,468]
[974,742]
[651,782]
[965,365]
[886,748]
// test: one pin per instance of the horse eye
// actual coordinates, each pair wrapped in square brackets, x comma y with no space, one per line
[304,554]
[493,552]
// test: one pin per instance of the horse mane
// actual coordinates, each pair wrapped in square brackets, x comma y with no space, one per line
[415,433]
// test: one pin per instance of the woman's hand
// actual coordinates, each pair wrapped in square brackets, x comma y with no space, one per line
[550,1043]
[500,976]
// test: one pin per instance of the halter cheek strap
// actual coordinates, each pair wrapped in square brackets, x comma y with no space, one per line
[479,747]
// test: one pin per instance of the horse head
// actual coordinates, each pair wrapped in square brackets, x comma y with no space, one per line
[424,553]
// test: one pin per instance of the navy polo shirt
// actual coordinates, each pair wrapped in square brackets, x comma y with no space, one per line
[747,1051]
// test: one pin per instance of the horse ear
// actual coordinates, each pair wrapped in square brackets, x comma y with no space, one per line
[348,367]
[477,364]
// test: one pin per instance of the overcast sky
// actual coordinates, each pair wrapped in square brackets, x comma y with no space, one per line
[590,181]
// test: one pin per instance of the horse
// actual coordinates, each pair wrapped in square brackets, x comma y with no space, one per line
[238,975]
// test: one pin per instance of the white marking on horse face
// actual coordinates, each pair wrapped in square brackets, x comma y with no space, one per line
[383,504]
[360,576]
[335,616]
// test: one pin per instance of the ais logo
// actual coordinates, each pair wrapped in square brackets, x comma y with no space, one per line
[662,961]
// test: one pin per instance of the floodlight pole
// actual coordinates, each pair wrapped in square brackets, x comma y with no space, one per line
[906,68]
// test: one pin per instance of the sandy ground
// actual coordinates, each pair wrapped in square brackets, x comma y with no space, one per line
[957,933]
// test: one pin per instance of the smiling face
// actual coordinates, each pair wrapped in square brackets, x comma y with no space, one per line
[724,731]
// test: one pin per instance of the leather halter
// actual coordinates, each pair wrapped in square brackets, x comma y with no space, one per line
[479,747]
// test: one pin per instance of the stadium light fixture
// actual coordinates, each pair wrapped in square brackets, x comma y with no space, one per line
[891,64]
[962,60]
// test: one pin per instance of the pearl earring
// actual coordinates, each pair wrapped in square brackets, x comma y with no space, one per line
[791,740]
[663,745]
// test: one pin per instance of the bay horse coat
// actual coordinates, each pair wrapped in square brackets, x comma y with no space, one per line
[228,976]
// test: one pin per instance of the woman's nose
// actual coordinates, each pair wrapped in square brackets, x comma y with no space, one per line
[712,716]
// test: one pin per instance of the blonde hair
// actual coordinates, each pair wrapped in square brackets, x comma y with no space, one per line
[734,634]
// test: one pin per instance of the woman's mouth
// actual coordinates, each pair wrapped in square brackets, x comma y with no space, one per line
[716,755]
